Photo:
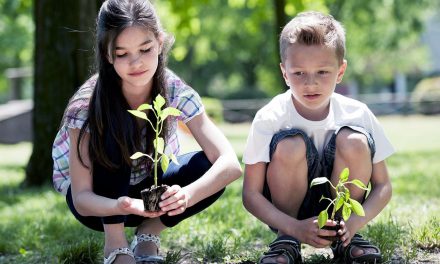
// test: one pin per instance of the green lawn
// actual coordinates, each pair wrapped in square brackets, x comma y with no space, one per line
[36,226]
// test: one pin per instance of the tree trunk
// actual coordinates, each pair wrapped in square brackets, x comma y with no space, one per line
[63,53]
[280,18]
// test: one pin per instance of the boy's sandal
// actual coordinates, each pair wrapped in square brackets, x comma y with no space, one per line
[284,246]
[147,238]
[345,253]
[119,251]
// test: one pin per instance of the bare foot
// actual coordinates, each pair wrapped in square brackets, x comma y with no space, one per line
[279,260]
[124,259]
[146,248]
[358,251]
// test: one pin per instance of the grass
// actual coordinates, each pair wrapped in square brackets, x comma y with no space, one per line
[37,227]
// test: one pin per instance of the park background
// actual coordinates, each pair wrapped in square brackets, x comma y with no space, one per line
[227,51]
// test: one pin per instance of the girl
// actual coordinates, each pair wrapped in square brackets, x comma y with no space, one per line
[91,152]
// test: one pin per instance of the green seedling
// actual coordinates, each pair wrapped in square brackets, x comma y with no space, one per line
[158,143]
[342,198]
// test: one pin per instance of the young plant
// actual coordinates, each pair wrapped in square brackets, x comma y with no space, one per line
[158,143]
[342,198]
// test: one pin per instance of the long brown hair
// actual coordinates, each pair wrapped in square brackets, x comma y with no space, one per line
[109,123]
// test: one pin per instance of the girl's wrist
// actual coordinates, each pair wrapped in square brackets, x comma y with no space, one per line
[117,210]
[189,196]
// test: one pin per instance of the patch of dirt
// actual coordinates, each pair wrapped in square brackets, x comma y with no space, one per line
[425,257]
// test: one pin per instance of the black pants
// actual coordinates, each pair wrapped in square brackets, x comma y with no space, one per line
[116,184]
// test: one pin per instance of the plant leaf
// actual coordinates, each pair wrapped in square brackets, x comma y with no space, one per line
[144,107]
[137,155]
[164,162]
[322,218]
[174,159]
[319,180]
[339,203]
[158,103]
[347,194]
[359,184]
[159,145]
[346,212]
[139,114]
[170,111]
[343,177]
[357,207]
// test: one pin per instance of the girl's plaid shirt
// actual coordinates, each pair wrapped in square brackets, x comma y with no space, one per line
[180,96]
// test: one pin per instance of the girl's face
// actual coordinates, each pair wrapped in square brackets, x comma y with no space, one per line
[136,58]
[312,73]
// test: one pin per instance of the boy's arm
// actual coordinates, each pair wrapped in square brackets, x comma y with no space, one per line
[257,204]
[378,198]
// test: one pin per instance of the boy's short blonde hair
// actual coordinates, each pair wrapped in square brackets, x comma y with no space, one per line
[313,28]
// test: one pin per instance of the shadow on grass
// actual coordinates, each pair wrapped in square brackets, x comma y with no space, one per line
[13,193]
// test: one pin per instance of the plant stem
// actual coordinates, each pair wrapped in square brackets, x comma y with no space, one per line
[334,210]
[155,152]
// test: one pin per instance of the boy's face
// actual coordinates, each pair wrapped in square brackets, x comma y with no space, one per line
[312,73]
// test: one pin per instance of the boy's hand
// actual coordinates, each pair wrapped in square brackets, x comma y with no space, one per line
[135,206]
[309,232]
[345,234]
[174,200]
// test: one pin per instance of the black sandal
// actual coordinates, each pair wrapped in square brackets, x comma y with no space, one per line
[284,246]
[345,254]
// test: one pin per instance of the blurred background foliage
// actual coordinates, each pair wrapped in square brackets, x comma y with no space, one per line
[229,48]
[16,38]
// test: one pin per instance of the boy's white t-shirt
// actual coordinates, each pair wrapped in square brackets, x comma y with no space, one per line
[280,114]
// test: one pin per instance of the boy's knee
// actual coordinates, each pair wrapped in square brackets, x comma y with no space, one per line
[290,149]
[351,142]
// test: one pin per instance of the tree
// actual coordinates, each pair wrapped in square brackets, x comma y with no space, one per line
[63,48]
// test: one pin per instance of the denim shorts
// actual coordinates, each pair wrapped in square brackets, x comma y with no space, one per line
[317,167]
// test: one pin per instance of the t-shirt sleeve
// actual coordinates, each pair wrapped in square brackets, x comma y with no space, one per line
[184,98]
[258,141]
[383,146]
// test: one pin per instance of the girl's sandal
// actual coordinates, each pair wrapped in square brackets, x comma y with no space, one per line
[119,251]
[147,238]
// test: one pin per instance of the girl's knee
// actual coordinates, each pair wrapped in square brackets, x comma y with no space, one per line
[290,149]
[352,143]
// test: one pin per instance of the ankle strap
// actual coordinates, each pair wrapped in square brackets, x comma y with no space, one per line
[119,251]
[145,238]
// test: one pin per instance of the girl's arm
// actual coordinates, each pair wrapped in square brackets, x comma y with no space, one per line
[225,168]
[86,202]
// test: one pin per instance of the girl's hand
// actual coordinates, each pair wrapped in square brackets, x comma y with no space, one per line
[174,200]
[135,206]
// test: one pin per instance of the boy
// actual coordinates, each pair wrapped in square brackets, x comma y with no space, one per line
[307,132]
